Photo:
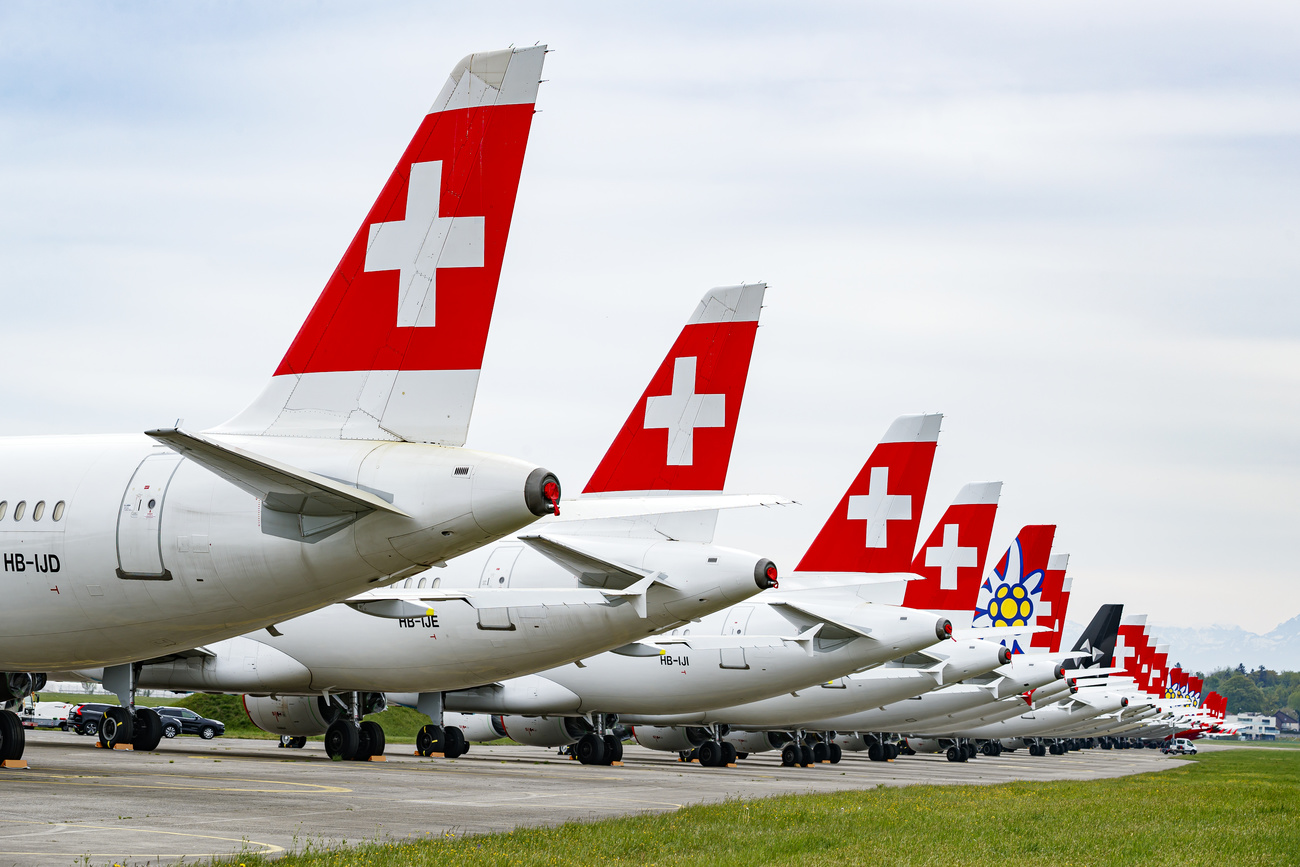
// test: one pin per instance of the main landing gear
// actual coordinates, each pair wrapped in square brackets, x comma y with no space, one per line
[351,738]
[882,749]
[14,687]
[715,752]
[808,749]
[962,751]
[435,739]
[600,746]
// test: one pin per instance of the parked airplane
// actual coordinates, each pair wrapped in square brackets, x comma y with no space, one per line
[347,471]
[564,591]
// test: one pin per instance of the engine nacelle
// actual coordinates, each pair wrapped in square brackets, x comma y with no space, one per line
[757,742]
[479,728]
[853,742]
[928,745]
[539,731]
[674,739]
[293,715]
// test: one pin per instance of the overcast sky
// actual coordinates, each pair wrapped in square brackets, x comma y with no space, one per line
[1071,227]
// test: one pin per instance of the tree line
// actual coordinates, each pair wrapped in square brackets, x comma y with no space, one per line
[1259,691]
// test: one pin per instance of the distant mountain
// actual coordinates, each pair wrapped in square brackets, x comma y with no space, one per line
[1211,647]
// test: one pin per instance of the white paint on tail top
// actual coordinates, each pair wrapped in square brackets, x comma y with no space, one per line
[682,411]
[878,507]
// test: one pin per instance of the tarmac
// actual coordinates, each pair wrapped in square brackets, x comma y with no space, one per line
[193,799]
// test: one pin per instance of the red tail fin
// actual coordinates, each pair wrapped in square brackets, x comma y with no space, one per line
[679,435]
[952,559]
[393,346]
[1054,605]
[1013,591]
[1132,651]
[874,527]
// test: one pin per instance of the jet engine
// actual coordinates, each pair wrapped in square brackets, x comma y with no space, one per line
[853,742]
[757,742]
[540,731]
[670,738]
[479,728]
[928,745]
[294,715]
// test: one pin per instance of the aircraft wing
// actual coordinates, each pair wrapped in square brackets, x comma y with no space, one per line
[281,488]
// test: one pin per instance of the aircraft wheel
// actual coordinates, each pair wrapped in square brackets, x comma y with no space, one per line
[613,750]
[428,740]
[116,727]
[742,756]
[836,753]
[453,743]
[969,750]
[891,752]
[728,753]
[377,739]
[297,743]
[591,749]
[955,754]
[147,730]
[13,739]
[365,744]
[907,751]
[876,753]
[342,739]
[820,753]
[711,754]
[790,755]
[806,754]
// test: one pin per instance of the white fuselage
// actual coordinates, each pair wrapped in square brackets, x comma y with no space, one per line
[455,643]
[746,653]
[155,554]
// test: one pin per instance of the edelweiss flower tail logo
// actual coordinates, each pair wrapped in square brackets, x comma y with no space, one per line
[1010,595]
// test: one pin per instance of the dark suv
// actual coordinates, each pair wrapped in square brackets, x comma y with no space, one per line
[182,720]
[84,718]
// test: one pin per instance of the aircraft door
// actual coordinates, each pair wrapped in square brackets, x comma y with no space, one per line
[737,620]
[139,523]
[496,572]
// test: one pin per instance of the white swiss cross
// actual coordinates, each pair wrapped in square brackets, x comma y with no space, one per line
[683,411]
[879,507]
[1123,652]
[1155,676]
[949,558]
[421,244]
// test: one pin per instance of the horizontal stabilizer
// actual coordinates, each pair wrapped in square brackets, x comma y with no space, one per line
[586,567]
[595,508]
[281,488]
[811,615]
[997,633]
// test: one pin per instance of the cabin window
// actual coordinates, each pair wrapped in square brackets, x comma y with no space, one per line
[38,511]
[58,511]
[20,510]
[420,584]
[4,506]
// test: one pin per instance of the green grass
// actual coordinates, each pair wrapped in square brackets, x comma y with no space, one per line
[1233,806]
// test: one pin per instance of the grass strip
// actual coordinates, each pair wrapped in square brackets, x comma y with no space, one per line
[1231,806]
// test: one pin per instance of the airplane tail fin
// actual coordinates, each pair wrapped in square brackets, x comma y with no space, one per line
[951,561]
[393,346]
[874,527]
[1054,605]
[1012,593]
[679,435]
[1098,639]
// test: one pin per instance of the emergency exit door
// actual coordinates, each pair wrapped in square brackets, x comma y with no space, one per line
[139,523]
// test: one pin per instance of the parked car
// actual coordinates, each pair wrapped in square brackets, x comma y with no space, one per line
[182,720]
[1181,746]
[84,718]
